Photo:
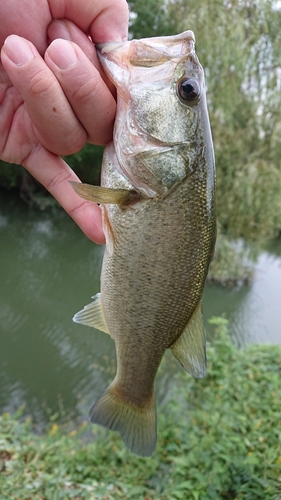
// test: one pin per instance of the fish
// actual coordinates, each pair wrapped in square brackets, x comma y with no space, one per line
[157,197]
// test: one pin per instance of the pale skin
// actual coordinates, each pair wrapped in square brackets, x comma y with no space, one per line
[53,95]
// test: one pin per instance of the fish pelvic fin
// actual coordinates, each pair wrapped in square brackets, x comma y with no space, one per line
[92,315]
[190,348]
[136,424]
[99,194]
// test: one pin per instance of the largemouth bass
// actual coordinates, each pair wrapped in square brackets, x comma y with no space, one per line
[157,201]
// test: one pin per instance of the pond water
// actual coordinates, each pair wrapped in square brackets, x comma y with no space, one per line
[48,271]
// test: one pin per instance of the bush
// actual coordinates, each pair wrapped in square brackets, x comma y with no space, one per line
[219,438]
[86,164]
[233,262]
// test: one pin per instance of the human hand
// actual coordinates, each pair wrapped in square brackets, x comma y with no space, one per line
[53,106]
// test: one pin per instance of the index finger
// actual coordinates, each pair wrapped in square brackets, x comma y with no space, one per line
[53,173]
[104,20]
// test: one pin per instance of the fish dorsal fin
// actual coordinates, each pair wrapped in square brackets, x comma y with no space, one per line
[190,348]
[92,315]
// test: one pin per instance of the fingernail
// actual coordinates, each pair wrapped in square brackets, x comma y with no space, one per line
[18,50]
[58,29]
[62,53]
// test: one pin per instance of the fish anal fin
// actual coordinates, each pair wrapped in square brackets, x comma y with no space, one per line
[100,194]
[190,348]
[136,424]
[92,315]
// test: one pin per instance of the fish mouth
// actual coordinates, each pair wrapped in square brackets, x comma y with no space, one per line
[118,58]
[149,48]
[168,40]
[106,47]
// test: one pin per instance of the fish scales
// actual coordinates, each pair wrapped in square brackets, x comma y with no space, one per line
[159,243]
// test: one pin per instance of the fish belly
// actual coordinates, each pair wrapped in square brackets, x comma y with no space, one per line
[153,272]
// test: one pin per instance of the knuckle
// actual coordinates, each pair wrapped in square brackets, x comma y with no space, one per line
[40,85]
[86,90]
[59,179]
[71,142]
[76,142]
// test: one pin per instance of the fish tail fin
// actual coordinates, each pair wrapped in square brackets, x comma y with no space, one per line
[136,424]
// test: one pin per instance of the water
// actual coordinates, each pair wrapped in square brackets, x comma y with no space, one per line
[48,271]
[253,311]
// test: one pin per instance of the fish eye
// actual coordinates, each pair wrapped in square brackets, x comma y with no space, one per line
[189,91]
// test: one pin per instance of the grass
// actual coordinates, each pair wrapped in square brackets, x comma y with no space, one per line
[219,438]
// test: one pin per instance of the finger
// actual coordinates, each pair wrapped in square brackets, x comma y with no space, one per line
[111,24]
[62,28]
[27,18]
[104,20]
[53,173]
[10,101]
[57,126]
[90,99]
[69,31]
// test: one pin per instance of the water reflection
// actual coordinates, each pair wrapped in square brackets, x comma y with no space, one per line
[48,271]
[258,319]
[253,311]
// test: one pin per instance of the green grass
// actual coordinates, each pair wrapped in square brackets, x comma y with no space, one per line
[219,438]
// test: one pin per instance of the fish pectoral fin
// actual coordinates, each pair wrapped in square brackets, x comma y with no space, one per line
[92,315]
[190,348]
[99,194]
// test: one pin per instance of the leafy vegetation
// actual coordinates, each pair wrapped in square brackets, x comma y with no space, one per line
[219,438]
[233,262]
[238,45]
[86,163]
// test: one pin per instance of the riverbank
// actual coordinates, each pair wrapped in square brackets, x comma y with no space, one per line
[218,438]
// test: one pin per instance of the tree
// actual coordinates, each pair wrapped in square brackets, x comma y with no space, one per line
[238,45]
